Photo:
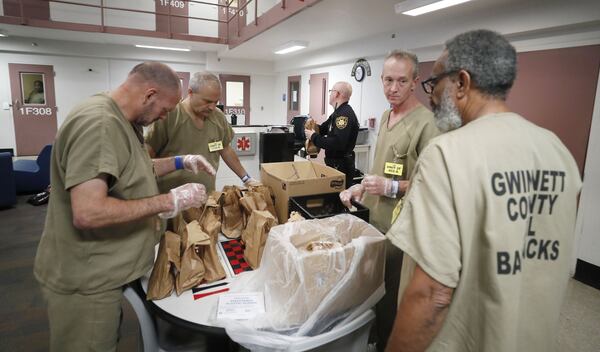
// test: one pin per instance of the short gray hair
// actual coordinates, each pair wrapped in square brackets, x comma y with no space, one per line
[401,54]
[158,73]
[488,57]
[201,79]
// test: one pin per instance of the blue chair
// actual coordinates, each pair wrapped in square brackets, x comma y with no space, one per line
[8,191]
[32,176]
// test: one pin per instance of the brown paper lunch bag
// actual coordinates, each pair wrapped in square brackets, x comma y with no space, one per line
[232,222]
[255,236]
[192,270]
[162,279]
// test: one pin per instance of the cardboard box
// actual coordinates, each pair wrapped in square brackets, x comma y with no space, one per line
[299,178]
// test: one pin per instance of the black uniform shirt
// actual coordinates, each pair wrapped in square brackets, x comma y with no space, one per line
[338,134]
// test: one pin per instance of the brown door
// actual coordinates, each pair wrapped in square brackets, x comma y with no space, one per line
[184,77]
[166,16]
[318,97]
[235,97]
[293,106]
[34,106]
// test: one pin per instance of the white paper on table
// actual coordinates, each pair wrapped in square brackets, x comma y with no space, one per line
[240,306]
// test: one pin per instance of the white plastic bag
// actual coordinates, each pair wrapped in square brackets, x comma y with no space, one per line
[314,274]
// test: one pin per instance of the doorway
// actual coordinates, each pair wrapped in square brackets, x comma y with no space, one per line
[318,97]
[293,93]
[33,106]
[184,78]
[235,97]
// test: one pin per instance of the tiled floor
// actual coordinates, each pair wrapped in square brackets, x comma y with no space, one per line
[580,319]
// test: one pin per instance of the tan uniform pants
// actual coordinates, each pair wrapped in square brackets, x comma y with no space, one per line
[84,322]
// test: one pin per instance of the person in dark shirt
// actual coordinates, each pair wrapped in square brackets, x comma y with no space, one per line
[338,134]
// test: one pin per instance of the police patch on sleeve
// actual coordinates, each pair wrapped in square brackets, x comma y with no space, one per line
[341,122]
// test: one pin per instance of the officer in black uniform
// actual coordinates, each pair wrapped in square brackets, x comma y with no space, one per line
[338,134]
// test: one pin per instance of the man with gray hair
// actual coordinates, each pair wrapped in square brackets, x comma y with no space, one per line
[489,220]
[337,135]
[404,131]
[196,126]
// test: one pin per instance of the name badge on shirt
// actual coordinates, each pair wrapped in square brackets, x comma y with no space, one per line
[215,146]
[393,169]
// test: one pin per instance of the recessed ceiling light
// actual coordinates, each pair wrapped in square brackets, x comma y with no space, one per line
[419,7]
[290,47]
[161,47]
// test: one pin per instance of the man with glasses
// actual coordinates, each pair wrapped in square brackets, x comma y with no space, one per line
[404,132]
[338,134]
[489,220]
[196,126]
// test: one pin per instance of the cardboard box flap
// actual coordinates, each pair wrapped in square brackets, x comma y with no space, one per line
[288,179]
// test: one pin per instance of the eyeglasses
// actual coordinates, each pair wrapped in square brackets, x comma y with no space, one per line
[430,83]
[333,90]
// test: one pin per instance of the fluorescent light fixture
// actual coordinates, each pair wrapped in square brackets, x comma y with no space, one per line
[419,7]
[290,47]
[161,47]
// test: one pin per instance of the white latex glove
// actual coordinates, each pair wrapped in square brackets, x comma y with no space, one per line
[196,163]
[379,186]
[308,133]
[354,193]
[251,182]
[190,195]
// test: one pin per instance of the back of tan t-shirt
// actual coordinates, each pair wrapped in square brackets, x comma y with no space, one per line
[491,212]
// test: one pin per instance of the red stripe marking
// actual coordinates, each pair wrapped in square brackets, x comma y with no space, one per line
[201,295]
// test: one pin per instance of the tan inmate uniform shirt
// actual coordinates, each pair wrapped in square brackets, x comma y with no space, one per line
[402,144]
[491,212]
[96,139]
[177,135]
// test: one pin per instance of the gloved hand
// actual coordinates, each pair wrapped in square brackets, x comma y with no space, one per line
[379,186]
[251,182]
[185,197]
[353,193]
[196,163]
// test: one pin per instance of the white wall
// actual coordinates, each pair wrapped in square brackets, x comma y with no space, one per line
[262,108]
[109,66]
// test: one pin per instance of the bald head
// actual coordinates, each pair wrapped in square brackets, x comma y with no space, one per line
[345,90]
[151,90]
[155,74]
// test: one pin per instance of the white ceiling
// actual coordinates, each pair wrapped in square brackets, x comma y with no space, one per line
[331,23]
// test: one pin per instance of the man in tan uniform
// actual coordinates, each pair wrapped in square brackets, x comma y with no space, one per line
[490,215]
[102,223]
[404,132]
[196,126]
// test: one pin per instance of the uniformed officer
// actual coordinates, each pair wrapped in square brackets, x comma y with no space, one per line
[338,134]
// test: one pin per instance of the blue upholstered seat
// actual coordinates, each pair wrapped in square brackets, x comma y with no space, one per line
[8,192]
[32,176]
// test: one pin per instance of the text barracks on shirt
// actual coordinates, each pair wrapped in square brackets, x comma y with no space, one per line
[529,193]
